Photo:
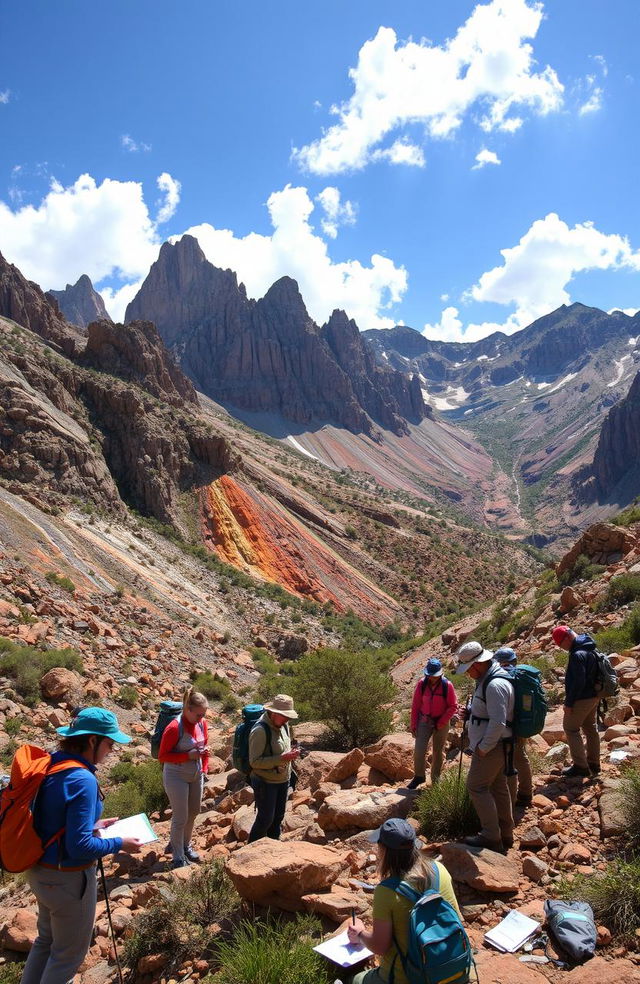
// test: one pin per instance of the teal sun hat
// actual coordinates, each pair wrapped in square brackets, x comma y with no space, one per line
[95,721]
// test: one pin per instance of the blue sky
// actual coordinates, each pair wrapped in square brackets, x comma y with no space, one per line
[452,165]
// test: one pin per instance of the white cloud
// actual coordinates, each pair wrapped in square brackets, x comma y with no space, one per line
[5,95]
[601,62]
[295,250]
[593,103]
[134,146]
[336,212]
[488,66]
[401,152]
[629,311]
[485,157]
[170,188]
[103,230]
[535,275]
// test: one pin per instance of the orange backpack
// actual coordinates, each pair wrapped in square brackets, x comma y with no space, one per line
[20,845]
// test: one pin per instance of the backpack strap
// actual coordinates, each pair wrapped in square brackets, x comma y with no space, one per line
[57,767]
[489,678]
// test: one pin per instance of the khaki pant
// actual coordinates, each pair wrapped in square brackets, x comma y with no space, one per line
[522,784]
[66,914]
[427,730]
[489,792]
[582,717]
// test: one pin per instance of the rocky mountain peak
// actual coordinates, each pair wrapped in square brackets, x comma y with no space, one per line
[80,303]
[268,355]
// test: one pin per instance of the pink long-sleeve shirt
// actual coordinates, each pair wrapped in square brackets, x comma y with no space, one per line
[433,703]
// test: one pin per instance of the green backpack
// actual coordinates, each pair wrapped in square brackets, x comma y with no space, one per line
[530,707]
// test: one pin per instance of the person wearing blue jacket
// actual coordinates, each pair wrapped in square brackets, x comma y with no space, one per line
[580,702]
[69,803]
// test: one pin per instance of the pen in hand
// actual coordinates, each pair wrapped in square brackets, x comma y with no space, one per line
[353,917]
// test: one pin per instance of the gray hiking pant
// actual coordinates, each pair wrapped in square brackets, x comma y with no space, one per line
[425,732]
[583,717]
[66,914]
[489,792]
[183,786]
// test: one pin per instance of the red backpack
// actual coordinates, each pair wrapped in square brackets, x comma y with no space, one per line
[20,845]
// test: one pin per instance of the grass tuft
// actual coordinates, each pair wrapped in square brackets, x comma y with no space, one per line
[279,953]
[445,811]
[613,895]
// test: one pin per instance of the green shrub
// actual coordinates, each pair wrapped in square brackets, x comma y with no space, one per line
[445,810]
[622,589]
[583,570]
[279,953]
[181,922]
[13,726]
[624,636]
[209,685]
[348,692]
[629,515]
[25,666]
[127,696]
[62,582]
[613,895]
[11,973]
[138,789]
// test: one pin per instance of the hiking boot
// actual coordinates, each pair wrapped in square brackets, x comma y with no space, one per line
[179,863]
[191,854]
[594,768]
[415,782]
[480,841]
[575,772]
[507,843]
[522,800]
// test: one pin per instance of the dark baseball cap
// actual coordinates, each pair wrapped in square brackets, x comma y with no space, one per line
[394,833]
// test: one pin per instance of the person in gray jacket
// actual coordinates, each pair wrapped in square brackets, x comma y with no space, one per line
[491,708]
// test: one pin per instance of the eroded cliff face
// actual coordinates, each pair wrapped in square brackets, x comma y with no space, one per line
[256,534]
[616,463]
[23,302]
[268,355]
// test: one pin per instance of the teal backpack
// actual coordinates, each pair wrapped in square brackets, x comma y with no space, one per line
[169,711]
[439,950]
[240,753]
[530,708]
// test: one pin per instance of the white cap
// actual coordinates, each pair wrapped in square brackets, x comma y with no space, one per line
[470,653]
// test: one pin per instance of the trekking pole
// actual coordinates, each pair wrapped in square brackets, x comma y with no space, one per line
[113,935]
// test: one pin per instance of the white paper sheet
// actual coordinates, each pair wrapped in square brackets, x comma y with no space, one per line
[509,935]
[136,826]
[340,951]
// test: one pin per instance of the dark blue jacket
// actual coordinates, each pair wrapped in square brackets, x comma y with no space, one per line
[70,799]
[582,670]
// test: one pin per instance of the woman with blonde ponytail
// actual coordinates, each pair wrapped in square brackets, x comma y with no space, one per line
[184,753]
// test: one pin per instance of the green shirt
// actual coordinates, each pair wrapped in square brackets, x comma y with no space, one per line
[394,908]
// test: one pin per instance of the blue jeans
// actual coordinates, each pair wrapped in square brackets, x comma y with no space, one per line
[271,802]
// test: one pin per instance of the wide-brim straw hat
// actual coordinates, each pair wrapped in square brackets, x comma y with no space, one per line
[282,704]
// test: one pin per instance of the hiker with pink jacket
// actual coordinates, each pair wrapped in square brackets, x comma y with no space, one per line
[434,704]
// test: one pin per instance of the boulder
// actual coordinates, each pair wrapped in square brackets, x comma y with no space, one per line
[612,822]
[364,810]
[338,904]
[484,870]
[601,971]
[534,868]
[392,756]
[243,821]
[553,731]
[569,599]
[19,931]
[319,767]
[275,873]
[60,684]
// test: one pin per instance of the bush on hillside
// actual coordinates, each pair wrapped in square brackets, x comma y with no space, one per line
[348,692]
[62,582]
[127,696]
[629,515]
[25,666]
[624,636]
[583,570]
[621,590]
[276,953]
[138,789]
[210,685]
[629,803]
[613,895]
[180,923]
[11,973]
[445,811]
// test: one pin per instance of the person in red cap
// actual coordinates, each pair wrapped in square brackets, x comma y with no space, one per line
[580,702]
